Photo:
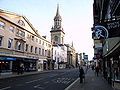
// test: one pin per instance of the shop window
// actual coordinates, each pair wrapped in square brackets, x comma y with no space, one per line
[5,66]
[10,41]
[2,25]
[1,39]
[11,29]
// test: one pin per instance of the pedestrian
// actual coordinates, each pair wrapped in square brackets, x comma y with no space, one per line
[22,68]
[92,67]
[97,70]
[81,74]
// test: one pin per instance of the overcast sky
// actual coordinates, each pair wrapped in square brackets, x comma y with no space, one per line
[77,19]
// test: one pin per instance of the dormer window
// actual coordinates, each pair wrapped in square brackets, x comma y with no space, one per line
[20,22]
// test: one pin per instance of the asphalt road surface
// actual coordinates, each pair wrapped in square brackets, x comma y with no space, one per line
[53,80]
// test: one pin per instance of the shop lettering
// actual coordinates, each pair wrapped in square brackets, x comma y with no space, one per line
[113,25]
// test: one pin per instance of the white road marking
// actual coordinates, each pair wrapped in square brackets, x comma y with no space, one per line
[33,81]
[38,86]
[5,88]
[71,84]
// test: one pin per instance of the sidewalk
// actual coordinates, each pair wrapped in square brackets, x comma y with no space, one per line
[92,82]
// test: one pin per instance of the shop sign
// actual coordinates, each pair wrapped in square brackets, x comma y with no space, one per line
[85,57]
[98,45]
[113,28]
[2,58]
[7,58]
[11,58]
[100,32]
[107,29]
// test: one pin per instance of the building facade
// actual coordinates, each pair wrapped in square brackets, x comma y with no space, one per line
[107,50]
[71,56]
[59,56]
[20,43]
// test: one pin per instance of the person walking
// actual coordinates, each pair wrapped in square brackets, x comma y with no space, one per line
[97,70]
[81,74]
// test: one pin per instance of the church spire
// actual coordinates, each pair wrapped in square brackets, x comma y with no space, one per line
[57,13]
[57,17]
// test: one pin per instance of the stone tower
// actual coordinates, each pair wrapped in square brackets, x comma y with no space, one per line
[57,32]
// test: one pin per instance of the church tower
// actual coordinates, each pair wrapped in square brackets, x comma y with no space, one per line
[57,32]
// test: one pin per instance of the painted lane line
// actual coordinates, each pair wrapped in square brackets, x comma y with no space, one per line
[38,86]
[5,88]
[33,81]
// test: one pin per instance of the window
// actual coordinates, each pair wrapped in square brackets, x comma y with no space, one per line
[36,40]
[20,33]
[17,32]
[43,43]
[26,49]
[10,41]
[31,49]
[42,52]
[2,25]
[49,45]
[55,52]
[39,41]
[45,52]
[35,49]
[48,52]
[39,51]
[1,39]
[11,29]
[32,38]
[18,45]
[20,22]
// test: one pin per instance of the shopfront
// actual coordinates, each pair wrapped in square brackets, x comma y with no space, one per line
[6,64]
[12,64]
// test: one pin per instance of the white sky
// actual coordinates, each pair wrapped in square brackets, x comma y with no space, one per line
[77,19]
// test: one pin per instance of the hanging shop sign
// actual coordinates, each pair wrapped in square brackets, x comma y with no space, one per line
[107,29]
[100,32]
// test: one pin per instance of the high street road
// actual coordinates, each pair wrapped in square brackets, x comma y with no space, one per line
[53,80]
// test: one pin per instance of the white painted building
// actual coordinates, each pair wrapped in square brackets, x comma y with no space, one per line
[59,56]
